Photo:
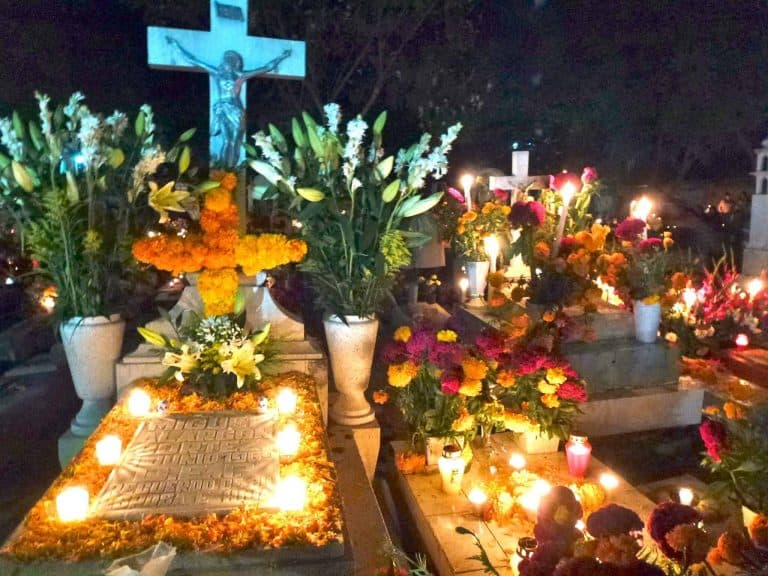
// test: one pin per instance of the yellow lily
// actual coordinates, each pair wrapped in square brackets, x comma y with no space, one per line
[242,361]
[166,199]
[186,361]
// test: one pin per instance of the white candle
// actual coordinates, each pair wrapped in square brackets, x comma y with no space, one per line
[567,192]
[466,182]
[139,403]
[685,495]
[72,504]
[108,450]
[492,250]
[530,502]
[286,401]
[641,209]
[290,494]
[478,498]
[288,441]
[689,298]
[754,287]
[517,461]
[463,286]
[609,481]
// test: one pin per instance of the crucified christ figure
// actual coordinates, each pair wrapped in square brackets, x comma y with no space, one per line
[227,113]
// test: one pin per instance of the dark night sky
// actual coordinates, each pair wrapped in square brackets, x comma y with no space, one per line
[638,87]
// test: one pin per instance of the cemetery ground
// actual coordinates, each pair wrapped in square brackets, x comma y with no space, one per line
[38,403]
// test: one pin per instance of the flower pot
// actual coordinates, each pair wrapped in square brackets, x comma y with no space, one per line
[92,346]
[351,347]
[537,443]
[477,274]
[433,449]
[647,319]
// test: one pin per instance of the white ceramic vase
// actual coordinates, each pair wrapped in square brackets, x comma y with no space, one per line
[92,346]
[538,443]
[647,319]
[477,274]
[433,449]
[351,347]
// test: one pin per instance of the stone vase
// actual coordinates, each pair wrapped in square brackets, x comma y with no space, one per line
[433,449]
[477,274]
[92,346]
[538,443]
[351,348]
[647,319]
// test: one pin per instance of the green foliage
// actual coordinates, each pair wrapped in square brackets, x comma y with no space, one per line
[353,216]
[482,555]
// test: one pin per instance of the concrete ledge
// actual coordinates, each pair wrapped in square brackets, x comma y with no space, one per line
[621,412]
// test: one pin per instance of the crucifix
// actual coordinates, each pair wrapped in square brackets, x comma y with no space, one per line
[230,57]
[520,179]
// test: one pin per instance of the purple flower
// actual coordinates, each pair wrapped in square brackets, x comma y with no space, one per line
[715,438]
[663,520]
[630,229]
[502,195]
[527,214]
[394,353]
[456,195]
[589,175]
[490,345]
[613,520]
[420,343]
[650,244]
[450,383]
[446,354]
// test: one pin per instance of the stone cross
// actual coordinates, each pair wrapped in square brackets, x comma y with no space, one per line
[231,57]
[520,179]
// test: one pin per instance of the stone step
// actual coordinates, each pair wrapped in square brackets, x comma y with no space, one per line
[635,410]
[622,363]
[608,323]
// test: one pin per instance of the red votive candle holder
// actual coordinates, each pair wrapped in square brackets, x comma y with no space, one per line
[578,452]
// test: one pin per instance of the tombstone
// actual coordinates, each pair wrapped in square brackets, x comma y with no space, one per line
[516,184]
[756,251]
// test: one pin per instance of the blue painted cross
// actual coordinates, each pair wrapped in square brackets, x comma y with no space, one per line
[230,57]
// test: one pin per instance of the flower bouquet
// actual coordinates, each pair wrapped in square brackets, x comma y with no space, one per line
[473,227]
[736,441]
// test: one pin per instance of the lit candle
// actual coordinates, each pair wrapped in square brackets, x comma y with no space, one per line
[72,504]
[542,487]
[463,286]
[139,403]
[754,287]
[580,526]
[641,209]
[288,441]
[530,502]
[609,481]
[108,450]
[742,340]
[517,461]
[567,191]
[478,498]
[286,401]
[685,495]
[451,466]
[492,250]
[690,298]
[578,452]
[290,494]
[466,182]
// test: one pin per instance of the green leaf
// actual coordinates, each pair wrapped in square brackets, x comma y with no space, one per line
[310,194]
[116,157]
[18,126]
[266,170]
[298,133]
[37,137]
[384,168]
[277,138]
[22,176]
[261,336]
[250,149]
[749,466]
[423,205]
[186,136]
[314,141]
[239,303]
[309,121]
[207,185]
[381,120]
[4,161]
[390,191]
[154,338]
[73,192]
[138,125]
[184,160]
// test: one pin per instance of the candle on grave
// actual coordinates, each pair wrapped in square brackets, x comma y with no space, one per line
[690,298]
[609,481]
[477,498]
[641,209]
[567,191]
[754,287]
[578,452]
[286,401]
[72,504]
[492,250]
[517,461]
[685,496]
[288,441]
[108,450]
[466,182]
[290,494]
[742,340]
[464,286]
[139,403]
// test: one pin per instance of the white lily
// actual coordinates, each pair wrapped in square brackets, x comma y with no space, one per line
[242,361]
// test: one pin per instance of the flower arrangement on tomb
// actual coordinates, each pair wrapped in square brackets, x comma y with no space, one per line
[736,441]
[441,385]
[213,356]
[353,201]
[712,312]
[647,260]
[474,226]
[318,523]
[217,250]
[76,185]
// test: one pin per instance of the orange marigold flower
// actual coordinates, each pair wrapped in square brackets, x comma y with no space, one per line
[733,411]
[410,462]
[213,221]
[380,396]
[712,410]
[541,250]
[679,280]
[548,316]
[402,334]
[758,530]
[505,379]
[228,180]
[550,400]
[515,422]
[218,289]
[266,251]
[218,199]
[474,368]
[464,421]
[400,375]
[470,388]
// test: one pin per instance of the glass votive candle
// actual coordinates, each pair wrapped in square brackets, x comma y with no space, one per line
[72,504]
[517,461]
[288,441]
[108,450]
[685,496]
[477,498]
[609,481]
[578,452]
[451,466]
[286,401]
[139,403]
